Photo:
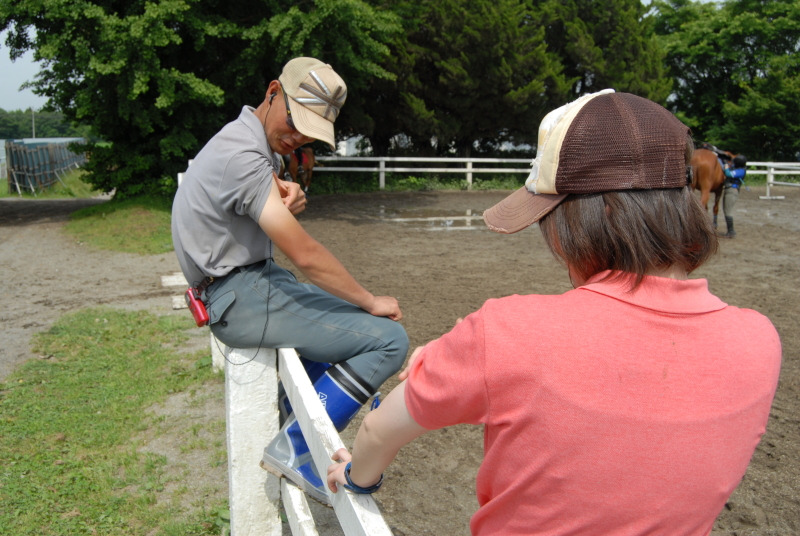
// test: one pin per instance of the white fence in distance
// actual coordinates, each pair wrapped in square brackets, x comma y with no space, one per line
[771,170]
[470,166]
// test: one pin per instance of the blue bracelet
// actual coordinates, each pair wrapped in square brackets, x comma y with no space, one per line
[355,488]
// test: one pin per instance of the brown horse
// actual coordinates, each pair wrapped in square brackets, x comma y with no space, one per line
[708,177]
[302,170]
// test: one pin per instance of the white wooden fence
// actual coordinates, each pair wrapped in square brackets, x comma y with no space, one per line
[771,170]
[252,420]
[374,164]
[370,166]
[251,405]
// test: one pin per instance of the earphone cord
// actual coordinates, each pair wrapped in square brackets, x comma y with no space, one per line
[263,332]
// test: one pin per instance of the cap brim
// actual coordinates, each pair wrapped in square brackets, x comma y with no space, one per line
[312,125]
[520,210]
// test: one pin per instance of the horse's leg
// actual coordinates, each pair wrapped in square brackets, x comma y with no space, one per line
[717,196]
[704,195]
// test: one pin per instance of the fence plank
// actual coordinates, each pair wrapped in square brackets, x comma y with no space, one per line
[297,511]
[251,407]
[357,514]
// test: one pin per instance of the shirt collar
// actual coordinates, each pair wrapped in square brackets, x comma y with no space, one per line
[663,294]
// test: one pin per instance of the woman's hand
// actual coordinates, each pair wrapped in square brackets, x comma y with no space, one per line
[404,373]
[336,470]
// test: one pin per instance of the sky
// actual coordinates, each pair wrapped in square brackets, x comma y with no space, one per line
[14,74]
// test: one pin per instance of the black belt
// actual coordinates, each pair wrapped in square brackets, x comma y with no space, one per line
[204,284]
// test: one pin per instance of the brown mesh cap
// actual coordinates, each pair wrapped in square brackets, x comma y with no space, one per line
[600,142]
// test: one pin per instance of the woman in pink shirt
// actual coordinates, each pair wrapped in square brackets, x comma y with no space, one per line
[606,410]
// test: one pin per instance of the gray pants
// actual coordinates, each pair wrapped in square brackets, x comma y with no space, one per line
[263,305]
[729,197]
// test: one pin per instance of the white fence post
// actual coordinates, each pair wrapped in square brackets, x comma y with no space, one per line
[251,408]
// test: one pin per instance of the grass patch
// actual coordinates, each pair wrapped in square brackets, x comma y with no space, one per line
[68,423]
[138,225]
[71,186]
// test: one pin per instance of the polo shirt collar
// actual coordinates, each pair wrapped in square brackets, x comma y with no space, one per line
[678,296]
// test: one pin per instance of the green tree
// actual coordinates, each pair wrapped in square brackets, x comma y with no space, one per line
[156,79]
[355,38]
[765,121]
[606,44]
[484,73]
[737,72]
[15,124]
[464,74]
[20,124]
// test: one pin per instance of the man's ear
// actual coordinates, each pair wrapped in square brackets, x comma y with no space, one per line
[272,89]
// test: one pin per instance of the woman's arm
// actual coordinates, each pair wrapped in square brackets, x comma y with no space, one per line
[383,433]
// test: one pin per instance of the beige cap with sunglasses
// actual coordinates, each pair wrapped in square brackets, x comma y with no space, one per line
[316,94]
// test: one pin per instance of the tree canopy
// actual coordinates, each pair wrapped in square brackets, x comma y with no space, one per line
[736,68]
[485,74]
[17,124]
[156,78]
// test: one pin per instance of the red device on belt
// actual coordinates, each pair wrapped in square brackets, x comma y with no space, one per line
[196,306]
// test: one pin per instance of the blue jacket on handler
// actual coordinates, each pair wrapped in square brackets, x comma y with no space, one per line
[734,178]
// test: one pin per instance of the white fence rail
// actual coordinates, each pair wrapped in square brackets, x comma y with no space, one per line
[771,170]
[379,164]
[373,164]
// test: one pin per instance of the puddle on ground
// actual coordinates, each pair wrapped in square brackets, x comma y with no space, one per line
[431,220]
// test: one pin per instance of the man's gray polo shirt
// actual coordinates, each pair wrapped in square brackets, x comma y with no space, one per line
[216,209]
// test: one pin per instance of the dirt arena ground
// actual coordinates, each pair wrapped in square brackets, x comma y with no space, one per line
[429,249]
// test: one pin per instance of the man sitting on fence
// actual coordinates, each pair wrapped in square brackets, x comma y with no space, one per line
[229,211]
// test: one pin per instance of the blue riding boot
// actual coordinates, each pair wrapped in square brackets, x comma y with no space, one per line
[314,370]
[342,394]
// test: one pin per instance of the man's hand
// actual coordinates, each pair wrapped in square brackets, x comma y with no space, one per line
[386,306]
[293,197]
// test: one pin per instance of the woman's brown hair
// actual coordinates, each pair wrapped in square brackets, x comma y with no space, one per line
[631,232]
